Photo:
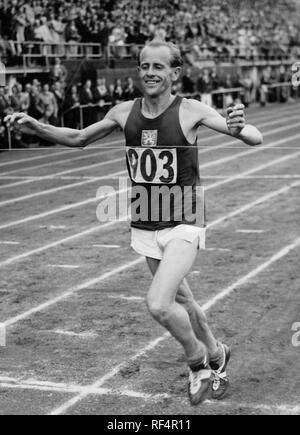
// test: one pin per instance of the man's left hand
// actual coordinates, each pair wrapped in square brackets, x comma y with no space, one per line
[236,119]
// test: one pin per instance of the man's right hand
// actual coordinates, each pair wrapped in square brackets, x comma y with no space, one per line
[26,123]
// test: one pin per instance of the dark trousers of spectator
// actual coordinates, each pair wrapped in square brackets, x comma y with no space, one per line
[72,119]
[89,116]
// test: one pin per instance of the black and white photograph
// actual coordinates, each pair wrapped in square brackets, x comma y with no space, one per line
[149,210]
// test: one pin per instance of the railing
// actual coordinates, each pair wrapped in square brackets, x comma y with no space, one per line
[240,90]
[81,108]
[38,52]
[35,51]
[222,92]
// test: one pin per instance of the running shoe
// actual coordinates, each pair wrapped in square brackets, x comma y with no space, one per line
[220,382]
[199,382]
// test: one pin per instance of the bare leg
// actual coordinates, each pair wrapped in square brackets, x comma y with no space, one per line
[197,316]
[178,259]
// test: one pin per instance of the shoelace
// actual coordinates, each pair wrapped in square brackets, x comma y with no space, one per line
[219,379]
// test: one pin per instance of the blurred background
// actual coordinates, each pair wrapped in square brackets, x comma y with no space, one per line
[67,62]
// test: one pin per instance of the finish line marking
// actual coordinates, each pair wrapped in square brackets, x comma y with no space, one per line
[251,231]
[88,334]
[107,246]
[128,298]
[34,385]
[64,266]
[218,249]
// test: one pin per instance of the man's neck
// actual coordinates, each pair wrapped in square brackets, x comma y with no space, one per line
[155,106]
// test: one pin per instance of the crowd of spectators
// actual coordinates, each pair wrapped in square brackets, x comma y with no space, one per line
[53,102]
[223,91]
[203,28]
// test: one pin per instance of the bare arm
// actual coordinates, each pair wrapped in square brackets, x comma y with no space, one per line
[68,136]
[233,125]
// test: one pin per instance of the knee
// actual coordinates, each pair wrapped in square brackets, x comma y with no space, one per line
[158,310]
[188,302]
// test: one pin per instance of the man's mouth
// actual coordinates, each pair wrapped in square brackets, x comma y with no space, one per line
[152,82]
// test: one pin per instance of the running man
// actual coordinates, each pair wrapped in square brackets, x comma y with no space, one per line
[161,150]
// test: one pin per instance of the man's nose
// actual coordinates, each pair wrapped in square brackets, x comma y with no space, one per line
[150,71]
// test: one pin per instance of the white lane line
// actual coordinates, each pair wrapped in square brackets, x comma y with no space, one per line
[107,246]
[31,384]
[53,227]
[50,177]
[218,249]
[68,171]
[252,204]
[87,334]
[254,177]
[57,210]
[251,231]
[22,386]
[210,164]
[278,408]
[72,291]
[255,169]
[55,154]
[64,266]
[83,156]
[73,389]
[17,177]
[127,298]
[97,228]
[3,334]
[272,177]
[8,243]
[68,239]
[208,149]
[247,153]
[57,189]
[203,177]
[242,281]
[210,303]
[45,156]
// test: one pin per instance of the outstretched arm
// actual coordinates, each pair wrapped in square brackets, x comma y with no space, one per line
[67,136]
[234,124]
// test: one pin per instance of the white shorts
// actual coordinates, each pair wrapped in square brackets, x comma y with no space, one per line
[152,243]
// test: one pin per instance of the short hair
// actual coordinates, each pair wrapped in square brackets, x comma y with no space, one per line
[175,58]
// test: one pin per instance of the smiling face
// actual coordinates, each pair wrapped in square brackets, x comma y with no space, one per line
[156,72]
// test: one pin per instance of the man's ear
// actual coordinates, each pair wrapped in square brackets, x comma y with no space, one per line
[176,73]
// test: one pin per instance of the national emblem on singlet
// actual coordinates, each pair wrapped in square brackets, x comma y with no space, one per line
[149,138]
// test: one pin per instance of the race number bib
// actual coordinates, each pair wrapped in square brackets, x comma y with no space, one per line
[152,165]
